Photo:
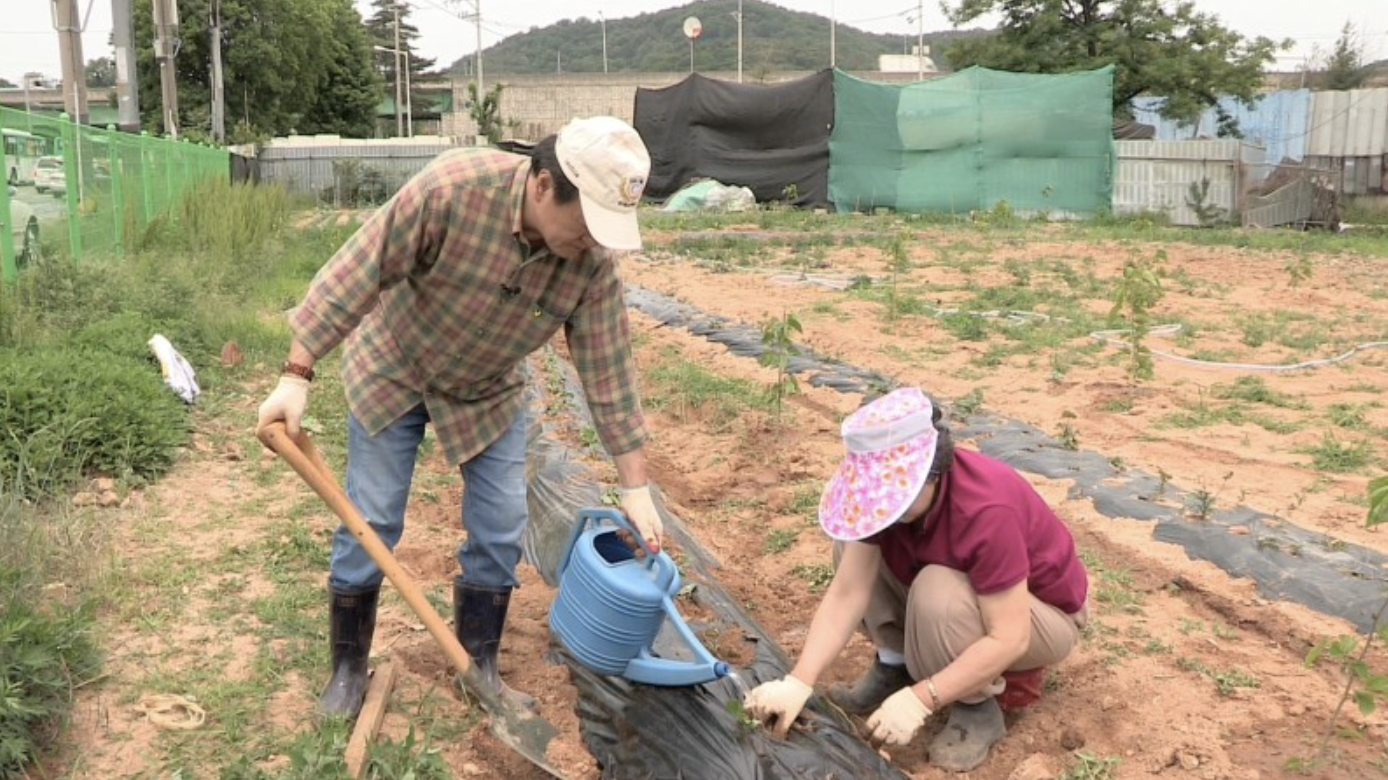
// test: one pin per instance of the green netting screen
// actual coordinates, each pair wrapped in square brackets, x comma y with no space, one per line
[1042,143]
[112,185]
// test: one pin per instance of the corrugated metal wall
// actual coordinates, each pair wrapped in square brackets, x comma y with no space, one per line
[1349,134]
[1157,176]
[326,166]
[1278,122]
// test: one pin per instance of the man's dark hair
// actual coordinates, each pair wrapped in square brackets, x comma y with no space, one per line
[544,158]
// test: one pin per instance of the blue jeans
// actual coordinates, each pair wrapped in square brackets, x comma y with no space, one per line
[379,472]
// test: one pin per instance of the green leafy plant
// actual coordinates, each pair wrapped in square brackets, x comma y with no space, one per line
[899,264]
[1091,767]
[1298,270]
[778,342]
[1366,686]
[1137,292]
[1198,200]
[738,710]
[818,575]
[1069,437]
[781,539]
[67,413]
[43,657]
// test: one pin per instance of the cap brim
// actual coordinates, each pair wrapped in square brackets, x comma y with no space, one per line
[845,520]
[612,229]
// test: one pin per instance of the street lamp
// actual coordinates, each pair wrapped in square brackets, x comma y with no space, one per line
[409,109]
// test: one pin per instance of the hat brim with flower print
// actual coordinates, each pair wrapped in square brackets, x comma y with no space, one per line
[891,445]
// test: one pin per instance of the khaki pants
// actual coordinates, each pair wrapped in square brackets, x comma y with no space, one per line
[939,618]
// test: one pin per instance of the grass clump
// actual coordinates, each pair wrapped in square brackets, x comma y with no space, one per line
[69,412]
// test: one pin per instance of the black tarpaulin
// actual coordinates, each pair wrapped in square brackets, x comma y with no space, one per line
[764,137]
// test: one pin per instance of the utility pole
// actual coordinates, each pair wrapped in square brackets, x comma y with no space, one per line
[833,28]
[65,21]
[399,117]
[477,6]
[165,49]
[603,21]
[219,108]
[920,40]
[409,104]
[127,85]
[739,41]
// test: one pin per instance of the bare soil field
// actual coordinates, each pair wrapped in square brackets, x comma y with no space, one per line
[1185,671]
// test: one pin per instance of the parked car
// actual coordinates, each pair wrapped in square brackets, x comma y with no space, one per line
[24,226]
[49,176]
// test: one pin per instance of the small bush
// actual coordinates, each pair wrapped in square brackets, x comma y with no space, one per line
[43,657]
[68,412]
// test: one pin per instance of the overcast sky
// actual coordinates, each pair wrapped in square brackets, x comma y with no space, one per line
[28,43]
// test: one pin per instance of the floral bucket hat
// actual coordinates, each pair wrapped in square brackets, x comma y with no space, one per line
[891,445]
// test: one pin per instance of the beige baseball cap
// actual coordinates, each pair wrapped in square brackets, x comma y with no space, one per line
[606,160]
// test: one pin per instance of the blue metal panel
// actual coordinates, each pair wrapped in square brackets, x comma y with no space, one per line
[1279,122]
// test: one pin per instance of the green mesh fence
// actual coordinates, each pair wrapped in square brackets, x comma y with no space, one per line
[98,195]
[1042,143]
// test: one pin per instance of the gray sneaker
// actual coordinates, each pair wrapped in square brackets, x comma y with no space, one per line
[971,731]
[869,692]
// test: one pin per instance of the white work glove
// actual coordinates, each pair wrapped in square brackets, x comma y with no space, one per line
[639,507]
[899,718]
[779,701]
[287,403]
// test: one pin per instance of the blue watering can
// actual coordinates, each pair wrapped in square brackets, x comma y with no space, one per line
[611,605]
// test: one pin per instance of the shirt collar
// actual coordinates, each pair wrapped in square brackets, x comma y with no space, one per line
[518,197]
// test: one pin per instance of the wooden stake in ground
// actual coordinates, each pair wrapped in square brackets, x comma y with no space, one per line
[373,711]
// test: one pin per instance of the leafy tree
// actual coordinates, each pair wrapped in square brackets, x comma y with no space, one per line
[7,84]
[280,58]
[487,111]
[101,72]
[1157,48]
[381,31]
[1344,69]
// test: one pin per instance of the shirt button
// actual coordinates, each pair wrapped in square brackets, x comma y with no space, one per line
[481,331]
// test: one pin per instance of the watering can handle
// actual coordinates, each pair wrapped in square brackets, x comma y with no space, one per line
[585,516]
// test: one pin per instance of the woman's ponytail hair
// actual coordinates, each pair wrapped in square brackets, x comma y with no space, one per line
[944,446]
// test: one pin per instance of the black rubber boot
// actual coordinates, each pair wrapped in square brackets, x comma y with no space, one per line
[479,617]
[971,731]
[868,693]
[353,622]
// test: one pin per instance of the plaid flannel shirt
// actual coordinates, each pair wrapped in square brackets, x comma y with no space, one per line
[440,299]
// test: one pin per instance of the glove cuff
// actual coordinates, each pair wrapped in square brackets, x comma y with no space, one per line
[632,491]
[805,687]
[908,695]
[297,381]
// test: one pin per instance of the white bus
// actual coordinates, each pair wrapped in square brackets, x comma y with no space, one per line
[22,152]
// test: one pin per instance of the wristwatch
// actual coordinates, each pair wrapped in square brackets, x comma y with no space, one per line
[291,368]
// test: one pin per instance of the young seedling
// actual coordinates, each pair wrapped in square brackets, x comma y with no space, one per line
[778,342]
[738,710]
[1366,686]
[1138,291]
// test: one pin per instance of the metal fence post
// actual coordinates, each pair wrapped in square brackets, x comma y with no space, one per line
[115,162]
[72,184]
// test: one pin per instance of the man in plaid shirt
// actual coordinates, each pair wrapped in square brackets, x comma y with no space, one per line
[475,263]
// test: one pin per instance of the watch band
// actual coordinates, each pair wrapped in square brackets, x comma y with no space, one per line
[296,369]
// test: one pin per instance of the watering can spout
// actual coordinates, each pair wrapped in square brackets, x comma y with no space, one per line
[650,670]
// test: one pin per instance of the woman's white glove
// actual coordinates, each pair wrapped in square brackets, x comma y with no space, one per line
[778,701]
[287,402]
[899,718]
[639,507]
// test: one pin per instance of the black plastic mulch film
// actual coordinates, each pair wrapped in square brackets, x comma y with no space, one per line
[1286,562]
[637,732]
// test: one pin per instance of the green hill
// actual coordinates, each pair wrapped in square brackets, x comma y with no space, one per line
[773,39]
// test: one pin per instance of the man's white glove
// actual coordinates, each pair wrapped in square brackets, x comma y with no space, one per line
[778,701]
[899,718]
[639,507]
[287,402]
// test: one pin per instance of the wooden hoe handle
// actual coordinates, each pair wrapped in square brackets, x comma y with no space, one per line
[305,459]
